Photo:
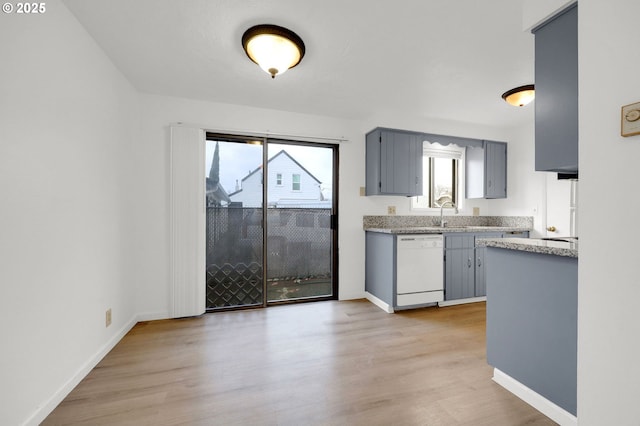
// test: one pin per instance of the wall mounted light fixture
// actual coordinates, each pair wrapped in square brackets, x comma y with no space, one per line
[275,49]
[520,96]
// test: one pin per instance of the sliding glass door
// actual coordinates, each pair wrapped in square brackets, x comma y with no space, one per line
[293,239]
[299,216]
[234,242]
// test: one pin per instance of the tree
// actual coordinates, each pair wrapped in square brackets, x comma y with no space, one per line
[214,172]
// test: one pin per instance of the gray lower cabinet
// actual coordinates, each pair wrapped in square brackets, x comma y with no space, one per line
[481,279]
[380,266]
[459,270]
[393,163]
[486,170]
[464,271]
[556,105]
[464,264]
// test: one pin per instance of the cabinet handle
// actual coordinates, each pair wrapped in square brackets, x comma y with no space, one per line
[469,262]
[479,262]
[551,229]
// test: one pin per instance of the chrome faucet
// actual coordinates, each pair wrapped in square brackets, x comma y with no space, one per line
[443,222]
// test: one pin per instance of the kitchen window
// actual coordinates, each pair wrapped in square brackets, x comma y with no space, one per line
[441,172]
[295,182]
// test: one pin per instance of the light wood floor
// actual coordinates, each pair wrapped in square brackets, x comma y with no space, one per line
[328,363]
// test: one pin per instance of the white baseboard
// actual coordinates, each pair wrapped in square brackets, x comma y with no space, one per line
[379,303]
[43,411]
[462,301]
[537,401]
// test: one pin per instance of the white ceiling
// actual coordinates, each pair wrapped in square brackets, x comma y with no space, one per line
[449,59]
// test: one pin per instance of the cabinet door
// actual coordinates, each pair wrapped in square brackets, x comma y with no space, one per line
[496,170]
[486,171]
[459,266]
[372,165]
[556,104]
[481,283]
[400,164]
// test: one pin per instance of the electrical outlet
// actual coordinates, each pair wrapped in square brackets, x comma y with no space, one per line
[363,191]
[107,318]
[476,211]
[391,209]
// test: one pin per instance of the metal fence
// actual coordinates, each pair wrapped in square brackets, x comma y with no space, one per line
[298,247]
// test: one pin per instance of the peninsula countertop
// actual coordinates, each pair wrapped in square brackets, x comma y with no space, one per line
[567,247]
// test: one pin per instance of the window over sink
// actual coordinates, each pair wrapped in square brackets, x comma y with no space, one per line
[442,170]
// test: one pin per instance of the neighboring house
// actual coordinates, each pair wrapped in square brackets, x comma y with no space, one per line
[216,195]
[289,185]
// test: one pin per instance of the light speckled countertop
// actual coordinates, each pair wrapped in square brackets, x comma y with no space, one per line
[446,229]
[533,245]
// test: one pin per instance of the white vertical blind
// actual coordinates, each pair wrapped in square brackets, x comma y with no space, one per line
[187,221]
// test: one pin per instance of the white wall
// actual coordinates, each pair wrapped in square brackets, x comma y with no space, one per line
[158,112]
[67,117]
[609,282]
[535,12]
[526,188]
[86,218]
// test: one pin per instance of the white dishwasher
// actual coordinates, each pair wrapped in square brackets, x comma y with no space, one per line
[420,266]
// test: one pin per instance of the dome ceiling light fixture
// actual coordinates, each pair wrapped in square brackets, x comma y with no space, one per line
[520,96]
[275,49]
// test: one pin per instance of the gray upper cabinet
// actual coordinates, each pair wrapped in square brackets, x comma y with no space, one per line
[556,82]
[393,163]
[486,170]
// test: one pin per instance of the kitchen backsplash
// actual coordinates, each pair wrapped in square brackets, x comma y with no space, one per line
[457,220]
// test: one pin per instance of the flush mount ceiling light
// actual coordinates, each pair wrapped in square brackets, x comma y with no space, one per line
[275,49]
[520,96]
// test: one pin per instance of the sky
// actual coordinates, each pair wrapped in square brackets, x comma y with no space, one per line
[237,160]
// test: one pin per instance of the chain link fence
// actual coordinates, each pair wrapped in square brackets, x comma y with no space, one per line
[298,248]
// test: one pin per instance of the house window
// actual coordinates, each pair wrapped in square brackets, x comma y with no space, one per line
[279,179]
[295,182]
[441,177]
[442,181]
